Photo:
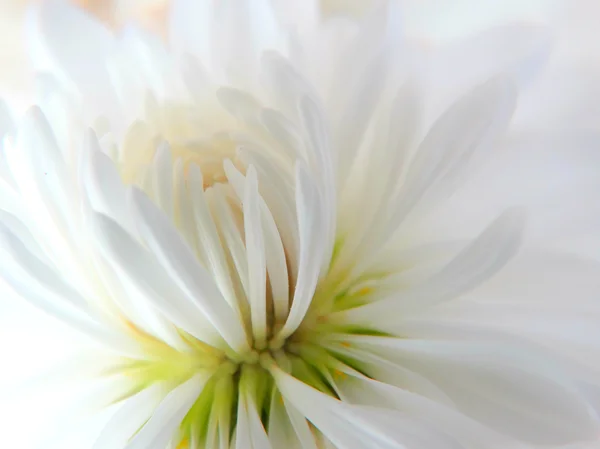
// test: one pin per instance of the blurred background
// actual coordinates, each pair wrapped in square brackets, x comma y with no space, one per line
[15,70]
[434,20]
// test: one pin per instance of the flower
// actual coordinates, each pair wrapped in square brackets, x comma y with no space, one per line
[308,234]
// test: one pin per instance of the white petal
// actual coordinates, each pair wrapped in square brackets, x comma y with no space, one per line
[284,83]
[380,29]
[511,390]
[370,190]
[478,262]
[242,428]
[104,187]
[232,236]
[84,65]
[61,110]
[128,84]
[310,225]
[181,265]
[33,280]
[197,79]
[405,429]
[301,427]
[190,27]
[162,176]
[320,153]
[402,130]
[47,192]
[134,306]
[255,250]
[276,263]
[240,104]
[281,432]
[167,418]
[7,124]
[278,195]
[284,132]
[256,22]
[515,49]
[355,427]
[185,216]
[357,114]
[130,417]
[304,16]
[208,238]
[258,434]
[147,55]
[365,391]
[10,199]
[275,256]
[41,175]
[319,409]
[547,297]
[395,374]
[37,270]
[463,133]
[148,276]
[22,232]
[553,173]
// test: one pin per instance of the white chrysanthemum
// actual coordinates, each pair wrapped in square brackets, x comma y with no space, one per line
[306,234]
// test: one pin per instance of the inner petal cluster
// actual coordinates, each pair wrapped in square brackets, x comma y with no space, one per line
[213,200]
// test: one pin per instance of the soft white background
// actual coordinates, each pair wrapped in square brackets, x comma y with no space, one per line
[436,20]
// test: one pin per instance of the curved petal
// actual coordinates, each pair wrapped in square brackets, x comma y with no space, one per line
[166,419]
[512,391]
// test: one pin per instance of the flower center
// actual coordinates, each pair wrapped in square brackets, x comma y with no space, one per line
[206,192]
[315,354]
[230,379]
[209,156]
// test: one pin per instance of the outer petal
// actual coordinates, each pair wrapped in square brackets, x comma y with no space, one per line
[84,66]
[517,50]
[512,391]
[546,297]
